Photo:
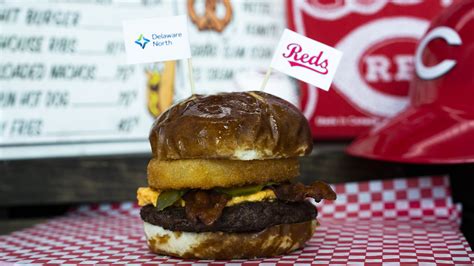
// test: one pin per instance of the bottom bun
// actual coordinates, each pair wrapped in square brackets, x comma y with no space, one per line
[273,241]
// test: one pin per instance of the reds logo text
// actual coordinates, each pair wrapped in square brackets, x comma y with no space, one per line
[297,58]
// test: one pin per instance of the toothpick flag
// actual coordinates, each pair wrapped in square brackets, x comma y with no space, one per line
[306,59]
[158,39]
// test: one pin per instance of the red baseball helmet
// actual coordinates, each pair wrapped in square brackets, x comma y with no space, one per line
[438,126]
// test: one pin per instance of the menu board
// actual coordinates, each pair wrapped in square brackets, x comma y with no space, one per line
[65,89]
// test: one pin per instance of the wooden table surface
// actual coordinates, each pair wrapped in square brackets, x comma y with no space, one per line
[33,190]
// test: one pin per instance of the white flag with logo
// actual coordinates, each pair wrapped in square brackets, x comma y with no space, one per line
[156,39]
[306,59]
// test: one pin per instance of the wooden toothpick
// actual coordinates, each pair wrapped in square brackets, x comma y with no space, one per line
[265,79]
[190,76]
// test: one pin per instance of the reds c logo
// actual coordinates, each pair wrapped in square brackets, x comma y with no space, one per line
[356,87]
[432,72]
[378,53]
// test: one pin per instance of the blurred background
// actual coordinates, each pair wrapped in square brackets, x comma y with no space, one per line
[74,118]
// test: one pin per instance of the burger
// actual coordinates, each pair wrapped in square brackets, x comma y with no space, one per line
[221,182]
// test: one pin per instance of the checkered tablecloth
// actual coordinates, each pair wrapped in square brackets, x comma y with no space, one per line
[400,221]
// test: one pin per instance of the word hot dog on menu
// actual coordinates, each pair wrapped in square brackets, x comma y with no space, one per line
[306,59]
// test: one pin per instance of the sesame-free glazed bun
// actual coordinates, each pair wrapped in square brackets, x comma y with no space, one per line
[234,126]
[270,242]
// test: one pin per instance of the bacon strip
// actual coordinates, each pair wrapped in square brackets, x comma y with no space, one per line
[298,192]
[205,206]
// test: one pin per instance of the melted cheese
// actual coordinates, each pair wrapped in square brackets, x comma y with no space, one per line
[147,195]
[266,194]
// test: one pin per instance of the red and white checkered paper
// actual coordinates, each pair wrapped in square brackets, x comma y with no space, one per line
[399,221]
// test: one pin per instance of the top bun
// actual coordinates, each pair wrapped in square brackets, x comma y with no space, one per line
[236,126]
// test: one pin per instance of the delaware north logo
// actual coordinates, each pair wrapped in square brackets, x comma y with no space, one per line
[142,41]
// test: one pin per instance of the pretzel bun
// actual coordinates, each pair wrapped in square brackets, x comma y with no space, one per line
[270,242]
[233,126]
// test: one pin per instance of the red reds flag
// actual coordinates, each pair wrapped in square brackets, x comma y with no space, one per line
[378,39]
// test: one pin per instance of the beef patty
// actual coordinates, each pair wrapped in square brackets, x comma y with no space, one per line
[244,217]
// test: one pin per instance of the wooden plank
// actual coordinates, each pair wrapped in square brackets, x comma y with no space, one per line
[80,180]
[330,163]
[71,180]
[12,225]
[334,166]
